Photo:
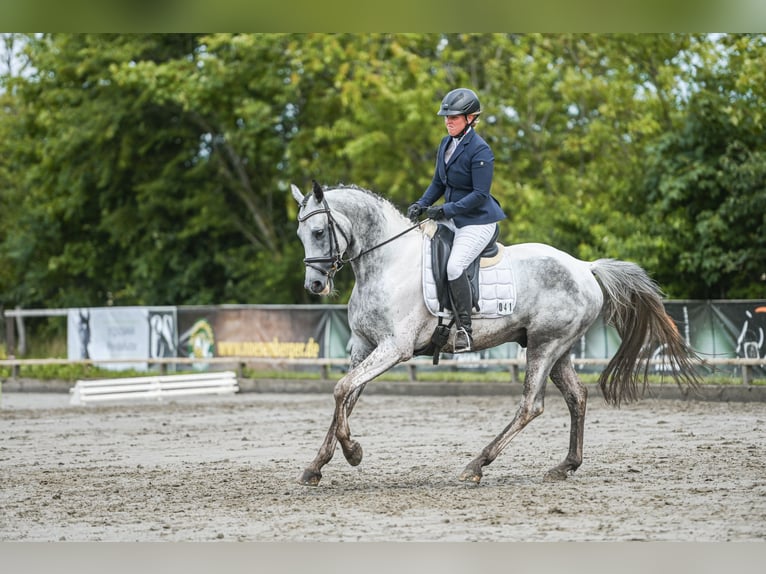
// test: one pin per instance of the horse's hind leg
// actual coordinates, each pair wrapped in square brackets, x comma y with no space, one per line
[532,405]
[575,394]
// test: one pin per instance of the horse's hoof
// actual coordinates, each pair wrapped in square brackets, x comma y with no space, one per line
[556,475]
[354,455]
[310,477]
[470,475]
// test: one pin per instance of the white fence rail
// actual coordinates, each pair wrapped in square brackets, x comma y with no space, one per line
[153,387]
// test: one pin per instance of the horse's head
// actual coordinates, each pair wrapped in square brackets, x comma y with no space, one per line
[324,239]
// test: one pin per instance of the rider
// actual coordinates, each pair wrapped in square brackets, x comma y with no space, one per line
[463,175]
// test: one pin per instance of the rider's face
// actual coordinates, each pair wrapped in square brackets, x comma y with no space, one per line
[456,124]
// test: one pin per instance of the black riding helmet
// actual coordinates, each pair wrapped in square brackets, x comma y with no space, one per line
[459,102]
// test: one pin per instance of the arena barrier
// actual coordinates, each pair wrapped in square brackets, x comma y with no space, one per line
[154,387]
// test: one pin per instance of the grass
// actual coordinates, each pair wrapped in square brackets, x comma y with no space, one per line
[69,372]
[76,372]
[474,376]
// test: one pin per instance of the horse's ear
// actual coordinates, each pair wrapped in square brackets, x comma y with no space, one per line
[318,191]
[297,195]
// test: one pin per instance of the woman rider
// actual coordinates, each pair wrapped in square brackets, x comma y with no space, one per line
[463,175]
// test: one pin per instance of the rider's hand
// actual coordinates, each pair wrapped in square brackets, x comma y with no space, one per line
[414,211]
[435,212]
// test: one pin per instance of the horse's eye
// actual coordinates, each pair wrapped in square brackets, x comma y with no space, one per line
[318,233]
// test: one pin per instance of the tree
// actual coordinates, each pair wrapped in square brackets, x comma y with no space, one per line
[155,169]
[276,109]
[706,184]
[118,202]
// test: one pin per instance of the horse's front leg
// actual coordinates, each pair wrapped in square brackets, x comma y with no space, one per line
[311,476]
[313,472]
[346,393]
[348,389]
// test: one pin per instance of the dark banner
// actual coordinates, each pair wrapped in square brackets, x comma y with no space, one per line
[723,329]
[277,332]
[714,329]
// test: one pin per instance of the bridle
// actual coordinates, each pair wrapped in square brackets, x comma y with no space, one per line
[335,258]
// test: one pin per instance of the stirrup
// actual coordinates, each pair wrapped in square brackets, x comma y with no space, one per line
[463,342]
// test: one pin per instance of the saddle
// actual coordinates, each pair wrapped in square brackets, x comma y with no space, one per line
[441,247]
[490,270]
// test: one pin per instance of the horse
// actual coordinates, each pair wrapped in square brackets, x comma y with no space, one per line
[559,298]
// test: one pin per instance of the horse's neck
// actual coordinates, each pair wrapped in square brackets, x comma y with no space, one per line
[372,220]
[373,223]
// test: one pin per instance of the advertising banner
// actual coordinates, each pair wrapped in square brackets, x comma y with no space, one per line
[109,333]
[264,331]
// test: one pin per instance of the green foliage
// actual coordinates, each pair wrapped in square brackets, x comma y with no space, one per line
[706,183]
[155,169]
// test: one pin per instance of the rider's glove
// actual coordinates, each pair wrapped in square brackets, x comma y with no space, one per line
[435,212]
[414,211]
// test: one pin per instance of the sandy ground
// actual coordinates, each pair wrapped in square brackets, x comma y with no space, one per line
[226,469]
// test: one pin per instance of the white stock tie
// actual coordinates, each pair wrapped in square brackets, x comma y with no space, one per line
[450,150]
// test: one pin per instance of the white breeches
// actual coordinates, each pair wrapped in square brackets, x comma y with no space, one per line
[469,242]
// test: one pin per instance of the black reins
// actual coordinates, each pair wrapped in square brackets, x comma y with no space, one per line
[387,241]
[335,259]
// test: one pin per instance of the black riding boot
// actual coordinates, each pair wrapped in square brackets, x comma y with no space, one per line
[462,303]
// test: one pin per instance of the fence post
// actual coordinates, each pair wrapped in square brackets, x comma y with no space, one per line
[21,345]
[746,374]
[514,373]
[412,373]
[10,337]
[10,345]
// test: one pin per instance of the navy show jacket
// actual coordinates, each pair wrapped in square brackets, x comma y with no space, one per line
[465,182]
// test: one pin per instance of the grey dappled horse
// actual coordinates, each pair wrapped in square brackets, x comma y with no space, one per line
[559,297]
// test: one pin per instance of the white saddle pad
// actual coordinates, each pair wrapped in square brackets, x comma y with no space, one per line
[497,286]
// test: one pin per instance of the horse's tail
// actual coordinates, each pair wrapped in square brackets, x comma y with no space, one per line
[633,305]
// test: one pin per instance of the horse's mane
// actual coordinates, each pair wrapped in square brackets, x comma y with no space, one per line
[378,198]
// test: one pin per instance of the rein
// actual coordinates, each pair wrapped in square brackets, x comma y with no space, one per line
[336,259]
[387,241]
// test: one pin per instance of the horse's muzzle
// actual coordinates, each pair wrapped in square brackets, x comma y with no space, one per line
[318,287]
